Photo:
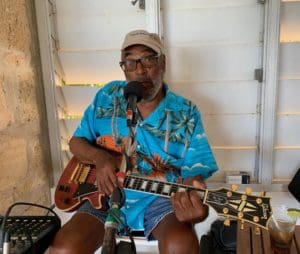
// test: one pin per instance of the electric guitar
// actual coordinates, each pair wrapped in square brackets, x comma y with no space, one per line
[78,183]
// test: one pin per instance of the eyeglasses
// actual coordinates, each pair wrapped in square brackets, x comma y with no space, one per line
[146,62]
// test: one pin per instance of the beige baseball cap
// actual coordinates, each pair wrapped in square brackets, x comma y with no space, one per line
[142,37]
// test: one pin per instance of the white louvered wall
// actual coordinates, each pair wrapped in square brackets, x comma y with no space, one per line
[90,35]
[213,48]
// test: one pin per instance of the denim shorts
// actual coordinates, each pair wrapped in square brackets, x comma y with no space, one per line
[154,213]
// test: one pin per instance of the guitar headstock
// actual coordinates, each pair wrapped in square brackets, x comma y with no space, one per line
[242,206]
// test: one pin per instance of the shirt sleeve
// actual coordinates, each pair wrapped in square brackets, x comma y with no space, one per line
[85,128]
[199,159]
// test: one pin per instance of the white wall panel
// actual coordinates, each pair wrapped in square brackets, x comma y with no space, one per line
[78,98]
[290,20]
[213,25]
[233,160]
[231,130]
[196,4]
[286,164]
[90,37]
[103,30]
[288,133]
[91,67]
[288,96]
[213,62]
[220,97]
[289,60]
[92,7]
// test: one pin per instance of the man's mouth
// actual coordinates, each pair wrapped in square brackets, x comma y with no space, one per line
[147,84]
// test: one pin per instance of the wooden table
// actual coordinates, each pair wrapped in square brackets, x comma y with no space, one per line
[249,242]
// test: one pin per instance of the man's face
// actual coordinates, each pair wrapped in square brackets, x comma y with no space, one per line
[150,77]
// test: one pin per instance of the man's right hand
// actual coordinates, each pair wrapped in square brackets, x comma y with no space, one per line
[106,173]
[106,164]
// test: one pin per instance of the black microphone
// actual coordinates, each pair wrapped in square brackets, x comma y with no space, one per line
[133,93]
[111,224]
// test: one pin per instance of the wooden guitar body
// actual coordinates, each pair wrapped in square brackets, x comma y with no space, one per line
[78,183]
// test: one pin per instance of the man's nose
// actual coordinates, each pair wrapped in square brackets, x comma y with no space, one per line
[140,68]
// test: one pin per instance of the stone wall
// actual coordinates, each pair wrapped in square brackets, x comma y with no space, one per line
[25,167]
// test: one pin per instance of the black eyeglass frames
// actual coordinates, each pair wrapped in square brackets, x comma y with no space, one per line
[146,61]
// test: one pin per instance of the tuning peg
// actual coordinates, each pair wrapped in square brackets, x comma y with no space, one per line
[256,219]
[263,193]
[257,231]
[229,194]
[248,190]
[259,201]
[225,210]
[234,187]
[227,222]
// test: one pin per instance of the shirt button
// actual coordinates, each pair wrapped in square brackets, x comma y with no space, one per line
[138,146]
[141,124]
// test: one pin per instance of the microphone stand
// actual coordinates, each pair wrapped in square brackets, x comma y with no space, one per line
[117,198]
[111,224]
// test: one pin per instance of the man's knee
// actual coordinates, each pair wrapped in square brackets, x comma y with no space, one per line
[69,245]
[180,242]
[81,234]
[60,246]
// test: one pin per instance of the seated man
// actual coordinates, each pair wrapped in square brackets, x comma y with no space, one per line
[169,145]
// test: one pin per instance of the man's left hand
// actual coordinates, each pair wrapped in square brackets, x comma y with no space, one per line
[187,205]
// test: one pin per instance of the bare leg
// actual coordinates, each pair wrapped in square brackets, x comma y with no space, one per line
[83,233]
[176,237]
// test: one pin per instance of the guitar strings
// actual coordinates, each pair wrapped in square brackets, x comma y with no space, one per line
[160,184]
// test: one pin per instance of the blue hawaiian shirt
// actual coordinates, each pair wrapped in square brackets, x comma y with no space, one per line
[170,144]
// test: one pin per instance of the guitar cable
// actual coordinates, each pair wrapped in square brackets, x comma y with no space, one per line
[51,208]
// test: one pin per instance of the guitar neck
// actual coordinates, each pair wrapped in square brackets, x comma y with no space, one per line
[156,187]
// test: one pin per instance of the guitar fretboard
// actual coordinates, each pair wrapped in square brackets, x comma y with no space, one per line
[157,187]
